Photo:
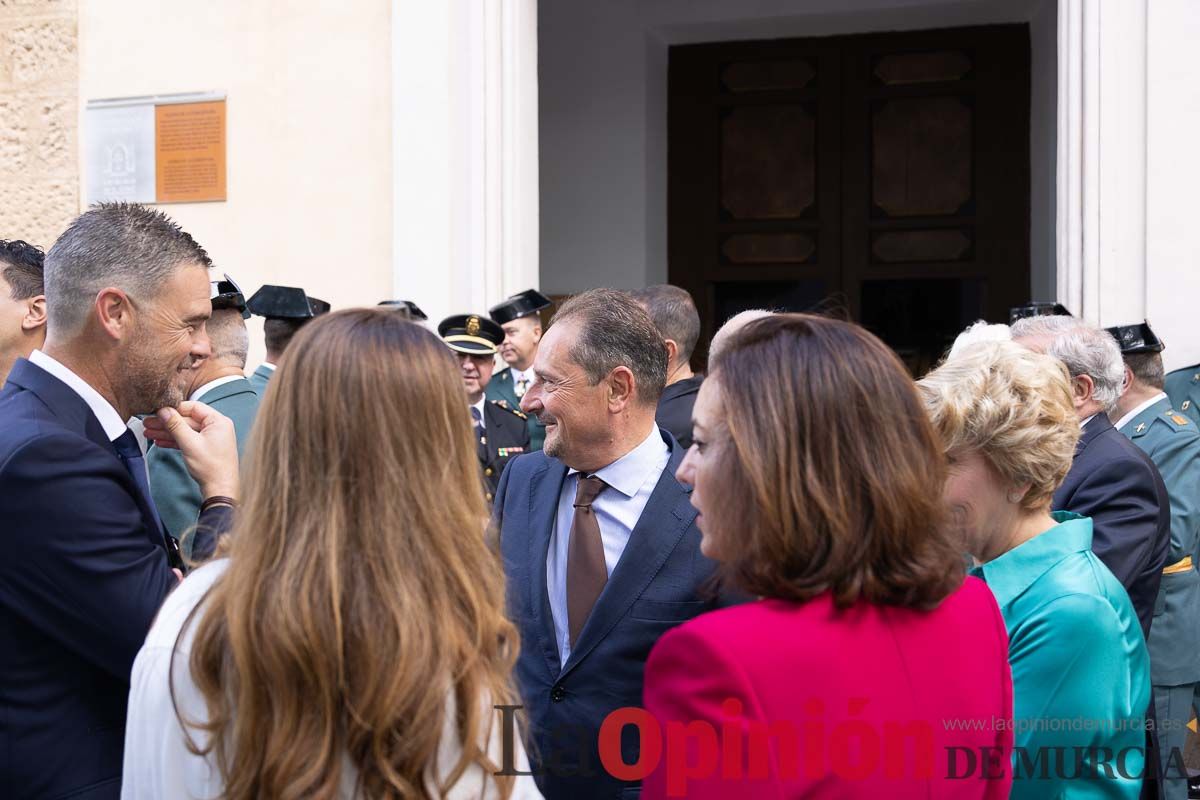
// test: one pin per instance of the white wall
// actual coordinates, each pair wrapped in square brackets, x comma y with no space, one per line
[603,97]
[308,125]
[1172,175]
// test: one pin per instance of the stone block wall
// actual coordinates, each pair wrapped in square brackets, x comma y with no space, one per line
[39,118]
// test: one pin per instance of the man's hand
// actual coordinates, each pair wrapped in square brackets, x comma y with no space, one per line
[207,441]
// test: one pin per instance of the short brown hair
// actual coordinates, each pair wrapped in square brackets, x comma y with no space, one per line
[674,314]
[835,474]
[21,265]
[615,331]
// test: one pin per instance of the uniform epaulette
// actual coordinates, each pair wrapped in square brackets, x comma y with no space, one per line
[1176,419]
[504,404]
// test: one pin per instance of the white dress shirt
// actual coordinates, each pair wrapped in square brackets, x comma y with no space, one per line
[631,479]
[158,762]
[196,395]
[1125,420]
[110,420]
[528,375]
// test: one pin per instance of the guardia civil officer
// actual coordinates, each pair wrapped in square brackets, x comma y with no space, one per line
[499,429]
[1146,415]
[287,309]
[406,309]
[1183,387]
[518,317]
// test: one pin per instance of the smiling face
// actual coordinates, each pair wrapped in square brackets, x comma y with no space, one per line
[705,461]
[168,342]
[575,411]
[521,337]
[476,370]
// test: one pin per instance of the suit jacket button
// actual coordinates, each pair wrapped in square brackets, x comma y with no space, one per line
[557,694]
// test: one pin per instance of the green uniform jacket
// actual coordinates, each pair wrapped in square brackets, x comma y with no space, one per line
[1173,444]
[501,390]
[1183,387]
[504,438]
[258,379]
[175,493]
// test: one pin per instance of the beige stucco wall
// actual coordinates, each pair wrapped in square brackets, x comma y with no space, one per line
[39,87]
[308,124]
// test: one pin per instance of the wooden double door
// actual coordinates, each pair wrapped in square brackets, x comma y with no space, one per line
[884,177]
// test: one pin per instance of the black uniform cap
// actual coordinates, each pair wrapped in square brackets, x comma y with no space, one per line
[1135,339]
[1036,309]
[282,302]
[406,307]
[227,294]
[318,307]
[519,305]
[471,333]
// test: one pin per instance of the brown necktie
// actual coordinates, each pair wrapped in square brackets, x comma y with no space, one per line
[586,573]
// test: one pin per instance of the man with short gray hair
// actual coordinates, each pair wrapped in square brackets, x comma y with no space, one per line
[599,541]
[87,561]
[1111,480]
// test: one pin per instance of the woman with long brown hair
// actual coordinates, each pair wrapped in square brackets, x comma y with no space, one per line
[869,659]
[353,643]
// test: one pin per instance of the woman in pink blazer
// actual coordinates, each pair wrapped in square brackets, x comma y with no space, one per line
[871,667]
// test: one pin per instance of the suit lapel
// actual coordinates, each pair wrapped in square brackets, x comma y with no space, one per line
[74,414]
[658,531]
[1091,431]
[544,490]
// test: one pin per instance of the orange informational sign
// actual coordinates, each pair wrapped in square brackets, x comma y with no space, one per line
[189,150]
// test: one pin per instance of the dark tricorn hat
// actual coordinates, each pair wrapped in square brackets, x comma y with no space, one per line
[1036,309]
[471,333]
[318,307]
[407,307]
[1135,339]
[282,302]
[227,294]
[519,305]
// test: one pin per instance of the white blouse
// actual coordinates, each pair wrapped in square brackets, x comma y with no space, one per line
[158,763]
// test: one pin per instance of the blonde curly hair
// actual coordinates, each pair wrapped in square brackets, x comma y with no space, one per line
[1011,405]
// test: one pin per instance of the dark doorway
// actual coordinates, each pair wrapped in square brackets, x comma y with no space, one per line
[885,175]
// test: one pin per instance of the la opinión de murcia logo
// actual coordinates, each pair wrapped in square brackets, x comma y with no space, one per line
[852,749]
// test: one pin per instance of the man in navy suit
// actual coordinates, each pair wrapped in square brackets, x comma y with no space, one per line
[1111,480]
[599,541]
[85,563]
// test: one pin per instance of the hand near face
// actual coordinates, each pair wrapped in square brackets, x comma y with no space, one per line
[207,441]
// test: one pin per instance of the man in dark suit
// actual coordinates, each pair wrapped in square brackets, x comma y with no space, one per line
[501,433]
[1111,480]
[520,318]
[85,562]
[598,538]
[674,314]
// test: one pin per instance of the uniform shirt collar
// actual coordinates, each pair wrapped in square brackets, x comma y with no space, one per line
[1132,415]
[110,420]
[629,472]
[527,374]
[196,395]
[1009,575]
[479,405]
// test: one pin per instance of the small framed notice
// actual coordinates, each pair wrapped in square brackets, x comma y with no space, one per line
[159,149]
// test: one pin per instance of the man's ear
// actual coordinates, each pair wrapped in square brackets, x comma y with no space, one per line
[1082,387]
[115,312]
[537,333]
[35,314]
[621,388]
[1127,384]
[672,353]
